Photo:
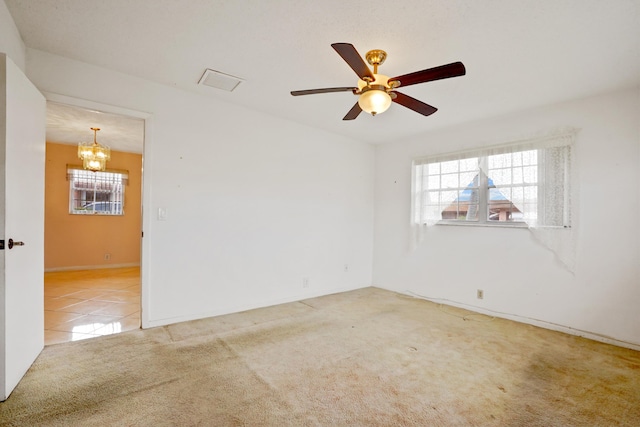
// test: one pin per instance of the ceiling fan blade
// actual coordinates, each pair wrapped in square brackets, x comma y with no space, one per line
[325,90]
[353,113]
[414,104]
[454,69]
[353,58]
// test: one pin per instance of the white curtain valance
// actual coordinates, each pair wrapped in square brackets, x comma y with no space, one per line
[123,173]
[564,138]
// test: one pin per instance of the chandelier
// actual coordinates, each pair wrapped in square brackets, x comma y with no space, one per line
[94,156]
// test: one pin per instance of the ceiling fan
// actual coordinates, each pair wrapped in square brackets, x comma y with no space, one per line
[377,91]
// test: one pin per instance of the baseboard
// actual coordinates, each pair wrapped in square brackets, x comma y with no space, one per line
[91,267]
[529,321]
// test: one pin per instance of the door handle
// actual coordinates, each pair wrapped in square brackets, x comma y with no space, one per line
[12,243]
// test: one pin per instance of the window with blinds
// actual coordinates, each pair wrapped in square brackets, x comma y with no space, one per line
[96,193]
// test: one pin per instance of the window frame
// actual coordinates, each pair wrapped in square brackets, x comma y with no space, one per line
[73,171]
[419,216]
[483,202]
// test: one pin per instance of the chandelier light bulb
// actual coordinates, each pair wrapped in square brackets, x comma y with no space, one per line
[94,156]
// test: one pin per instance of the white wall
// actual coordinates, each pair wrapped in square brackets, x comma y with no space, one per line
[520,278]
[254,203]
[10,41]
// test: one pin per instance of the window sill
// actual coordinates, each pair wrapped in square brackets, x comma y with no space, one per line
[96,214]
[500,224]
[522,225]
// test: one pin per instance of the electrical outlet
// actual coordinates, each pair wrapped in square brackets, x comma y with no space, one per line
[107,257]
[305,282]
[480,294]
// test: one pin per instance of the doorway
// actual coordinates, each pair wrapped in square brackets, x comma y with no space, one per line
[92,284]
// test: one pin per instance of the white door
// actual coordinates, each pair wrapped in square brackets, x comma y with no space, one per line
[22,157]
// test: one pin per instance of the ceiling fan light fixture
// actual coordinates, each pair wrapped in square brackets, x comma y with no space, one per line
[374,98]
[374,101]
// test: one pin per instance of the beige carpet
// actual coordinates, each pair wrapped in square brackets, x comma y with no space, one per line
[363,358]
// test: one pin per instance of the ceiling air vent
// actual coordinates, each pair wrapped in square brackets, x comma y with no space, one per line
[219,80]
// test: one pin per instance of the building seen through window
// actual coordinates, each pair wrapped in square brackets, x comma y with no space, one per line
[466,206]
[494,188]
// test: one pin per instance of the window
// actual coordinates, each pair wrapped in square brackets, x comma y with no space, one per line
[512,180]
[527,184]
[100,193]
[449,189]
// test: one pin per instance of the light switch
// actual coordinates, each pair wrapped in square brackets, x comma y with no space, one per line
[162,214]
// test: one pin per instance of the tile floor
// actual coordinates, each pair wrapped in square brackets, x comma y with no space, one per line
[90,303]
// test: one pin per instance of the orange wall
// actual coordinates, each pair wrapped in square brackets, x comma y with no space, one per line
[83,240]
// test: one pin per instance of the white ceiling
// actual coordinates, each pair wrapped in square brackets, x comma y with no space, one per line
[518,53]
[71,125]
